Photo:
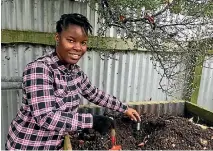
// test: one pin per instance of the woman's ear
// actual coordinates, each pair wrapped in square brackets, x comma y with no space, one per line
[57,38]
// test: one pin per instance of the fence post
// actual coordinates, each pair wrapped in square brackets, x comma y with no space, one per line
[192,84]
[197,79]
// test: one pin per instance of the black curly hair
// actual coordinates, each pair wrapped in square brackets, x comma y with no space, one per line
[73,19]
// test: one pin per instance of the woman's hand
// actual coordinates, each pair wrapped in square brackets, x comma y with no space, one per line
[133,114]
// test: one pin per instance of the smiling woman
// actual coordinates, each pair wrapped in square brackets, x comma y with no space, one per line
[52,86]
[71,44]
[72,39]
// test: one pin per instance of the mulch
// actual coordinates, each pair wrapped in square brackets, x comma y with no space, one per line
[156,133]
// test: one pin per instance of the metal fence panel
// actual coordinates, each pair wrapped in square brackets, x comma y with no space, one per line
[10,103]
[41,15]
[205,97]
[130,76]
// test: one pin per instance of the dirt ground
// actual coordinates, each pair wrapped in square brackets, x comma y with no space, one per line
[156,133]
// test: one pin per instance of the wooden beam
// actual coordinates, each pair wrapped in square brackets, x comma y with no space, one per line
[43,38]
[202,113]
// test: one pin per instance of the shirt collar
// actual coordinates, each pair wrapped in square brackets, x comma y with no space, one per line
[61,65]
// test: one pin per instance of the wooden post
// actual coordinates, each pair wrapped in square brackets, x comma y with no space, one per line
[67,143]
[192,84]
[197,80]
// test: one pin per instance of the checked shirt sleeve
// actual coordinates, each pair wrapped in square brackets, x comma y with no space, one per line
[39,95]
[99,97]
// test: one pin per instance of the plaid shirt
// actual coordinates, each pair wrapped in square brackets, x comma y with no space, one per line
[51,97]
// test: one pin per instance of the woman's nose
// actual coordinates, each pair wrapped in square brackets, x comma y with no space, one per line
[77,46]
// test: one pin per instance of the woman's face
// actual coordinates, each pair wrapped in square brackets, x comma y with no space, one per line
[72,44]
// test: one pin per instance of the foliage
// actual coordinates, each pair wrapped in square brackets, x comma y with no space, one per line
[176,32]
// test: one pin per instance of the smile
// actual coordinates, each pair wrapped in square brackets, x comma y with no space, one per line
[74,56]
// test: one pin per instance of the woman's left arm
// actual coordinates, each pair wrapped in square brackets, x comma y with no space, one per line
[100,98]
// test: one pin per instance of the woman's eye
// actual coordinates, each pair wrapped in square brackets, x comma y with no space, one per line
[84,43]
[71,41]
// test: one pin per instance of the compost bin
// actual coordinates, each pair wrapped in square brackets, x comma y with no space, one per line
[176,125]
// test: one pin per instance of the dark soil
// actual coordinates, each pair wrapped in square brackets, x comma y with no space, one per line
[156,133]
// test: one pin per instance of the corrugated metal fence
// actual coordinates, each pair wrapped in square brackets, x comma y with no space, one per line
[130,77]
[42,15]
[205,96]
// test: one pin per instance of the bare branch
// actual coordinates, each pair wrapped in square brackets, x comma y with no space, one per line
[177,41]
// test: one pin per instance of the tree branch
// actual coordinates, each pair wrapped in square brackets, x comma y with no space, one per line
[144,19]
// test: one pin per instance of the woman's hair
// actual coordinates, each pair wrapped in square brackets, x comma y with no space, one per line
[73,19]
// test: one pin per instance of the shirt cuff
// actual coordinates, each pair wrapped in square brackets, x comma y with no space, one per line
[123,108]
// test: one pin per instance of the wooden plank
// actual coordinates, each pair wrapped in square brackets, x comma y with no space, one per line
[15,36]
[139,103]
[157,108]
[202,113]
[43,38]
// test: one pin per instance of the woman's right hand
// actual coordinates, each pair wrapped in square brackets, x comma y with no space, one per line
[133,114]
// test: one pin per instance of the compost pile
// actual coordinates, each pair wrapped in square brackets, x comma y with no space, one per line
[156,133]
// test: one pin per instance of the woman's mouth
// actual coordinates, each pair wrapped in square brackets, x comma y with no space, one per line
[74,56]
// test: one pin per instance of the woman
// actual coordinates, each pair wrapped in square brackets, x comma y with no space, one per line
[52,86]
